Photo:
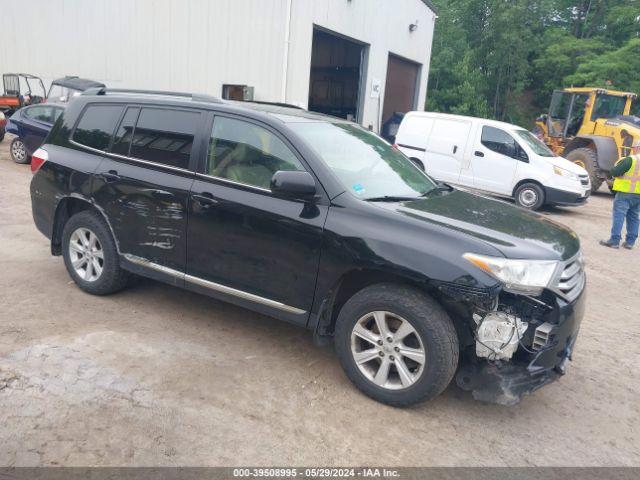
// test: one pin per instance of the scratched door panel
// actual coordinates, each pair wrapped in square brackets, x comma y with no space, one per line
[146,208]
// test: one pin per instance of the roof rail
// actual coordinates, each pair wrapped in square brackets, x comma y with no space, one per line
[275,104]
[196,97]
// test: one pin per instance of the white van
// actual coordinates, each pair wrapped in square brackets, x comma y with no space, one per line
[494,157]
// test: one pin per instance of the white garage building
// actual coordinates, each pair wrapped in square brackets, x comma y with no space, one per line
[362,59]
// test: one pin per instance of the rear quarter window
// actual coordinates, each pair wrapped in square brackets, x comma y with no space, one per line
[96,125]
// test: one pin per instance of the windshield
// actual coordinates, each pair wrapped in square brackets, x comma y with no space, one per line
[534,143]
[60,94]
[365,164]
[608,106]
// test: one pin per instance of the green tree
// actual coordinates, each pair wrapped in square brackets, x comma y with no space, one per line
[617,69]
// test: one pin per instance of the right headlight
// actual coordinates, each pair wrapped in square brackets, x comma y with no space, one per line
[519,276]
[565,173]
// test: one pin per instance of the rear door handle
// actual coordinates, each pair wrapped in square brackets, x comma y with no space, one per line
[478,153]
[455,149]
[205,199]
[110,176]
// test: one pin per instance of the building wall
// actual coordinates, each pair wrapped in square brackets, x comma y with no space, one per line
[197,45]
[382,24]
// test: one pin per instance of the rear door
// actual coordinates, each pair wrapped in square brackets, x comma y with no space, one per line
[36,124]
[143,185]
[495,159]
[444,156]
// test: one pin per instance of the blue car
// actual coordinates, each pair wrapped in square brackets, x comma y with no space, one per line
[31,126]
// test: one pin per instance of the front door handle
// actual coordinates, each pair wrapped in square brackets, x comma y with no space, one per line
[161,194]
[478,153]
[110,176]
[455,149]
[205,199]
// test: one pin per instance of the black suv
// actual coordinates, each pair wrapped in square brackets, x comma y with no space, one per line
[316,221]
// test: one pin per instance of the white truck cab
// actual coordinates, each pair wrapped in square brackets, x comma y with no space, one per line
[494,157]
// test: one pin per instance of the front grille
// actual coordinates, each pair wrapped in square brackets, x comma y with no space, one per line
[571,280]
[584,180]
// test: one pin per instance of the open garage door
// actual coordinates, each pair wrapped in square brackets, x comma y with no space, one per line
[336,75]
[400,92]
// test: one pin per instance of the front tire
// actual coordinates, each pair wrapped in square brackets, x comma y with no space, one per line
[90,254]
[587,158]
[529,196]
[18,151]
[396,345]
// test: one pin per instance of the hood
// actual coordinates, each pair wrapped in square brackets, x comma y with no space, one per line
[515,232]
[567,165]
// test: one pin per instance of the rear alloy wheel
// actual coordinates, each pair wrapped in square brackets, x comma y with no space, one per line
[86,254]
[90,254]
[396,344]
[587,158]
[18,151]
[529,196]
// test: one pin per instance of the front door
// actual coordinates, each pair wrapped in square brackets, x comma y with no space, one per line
[495,159]
[245,243]
[143,184]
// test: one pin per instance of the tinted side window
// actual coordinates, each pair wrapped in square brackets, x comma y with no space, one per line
[122,139]
[96,125]
[165,136]
[499,141]
[246,153]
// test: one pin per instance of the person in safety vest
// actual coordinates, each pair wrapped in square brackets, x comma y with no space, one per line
[626,205]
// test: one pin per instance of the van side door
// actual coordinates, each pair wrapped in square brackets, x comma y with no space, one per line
[444,156]
[143,184]
[495,159]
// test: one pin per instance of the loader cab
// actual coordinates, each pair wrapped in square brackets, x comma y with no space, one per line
[575,111]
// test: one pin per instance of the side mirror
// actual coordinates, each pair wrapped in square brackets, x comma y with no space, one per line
[293,184]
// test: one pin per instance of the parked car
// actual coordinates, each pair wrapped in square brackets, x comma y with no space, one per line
[31,125]
[493,157]
[315,221]
[62,90]
[20,89]
[3,124]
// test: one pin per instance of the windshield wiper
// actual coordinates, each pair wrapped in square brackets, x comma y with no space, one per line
[440,187]
[390,198]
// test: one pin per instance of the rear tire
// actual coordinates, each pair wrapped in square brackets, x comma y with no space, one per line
[529,196]
[18,151]
[91,256]
[432,338]
[587,158]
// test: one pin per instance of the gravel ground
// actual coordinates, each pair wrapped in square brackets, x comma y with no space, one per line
[160,376]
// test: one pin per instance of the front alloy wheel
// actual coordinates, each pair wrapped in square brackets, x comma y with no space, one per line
[387,350]
[396,344]
[86,254]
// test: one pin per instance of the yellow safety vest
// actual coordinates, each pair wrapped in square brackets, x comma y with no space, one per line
[630,181]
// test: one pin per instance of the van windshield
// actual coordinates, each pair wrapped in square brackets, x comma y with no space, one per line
[366,165]
[534,143]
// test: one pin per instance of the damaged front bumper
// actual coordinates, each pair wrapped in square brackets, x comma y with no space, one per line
[506,382]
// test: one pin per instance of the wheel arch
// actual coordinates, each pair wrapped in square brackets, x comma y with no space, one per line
[65,209]
[351,283]
[522,182]
[605,148]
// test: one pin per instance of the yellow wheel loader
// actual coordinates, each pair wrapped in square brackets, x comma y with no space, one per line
[591,127]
